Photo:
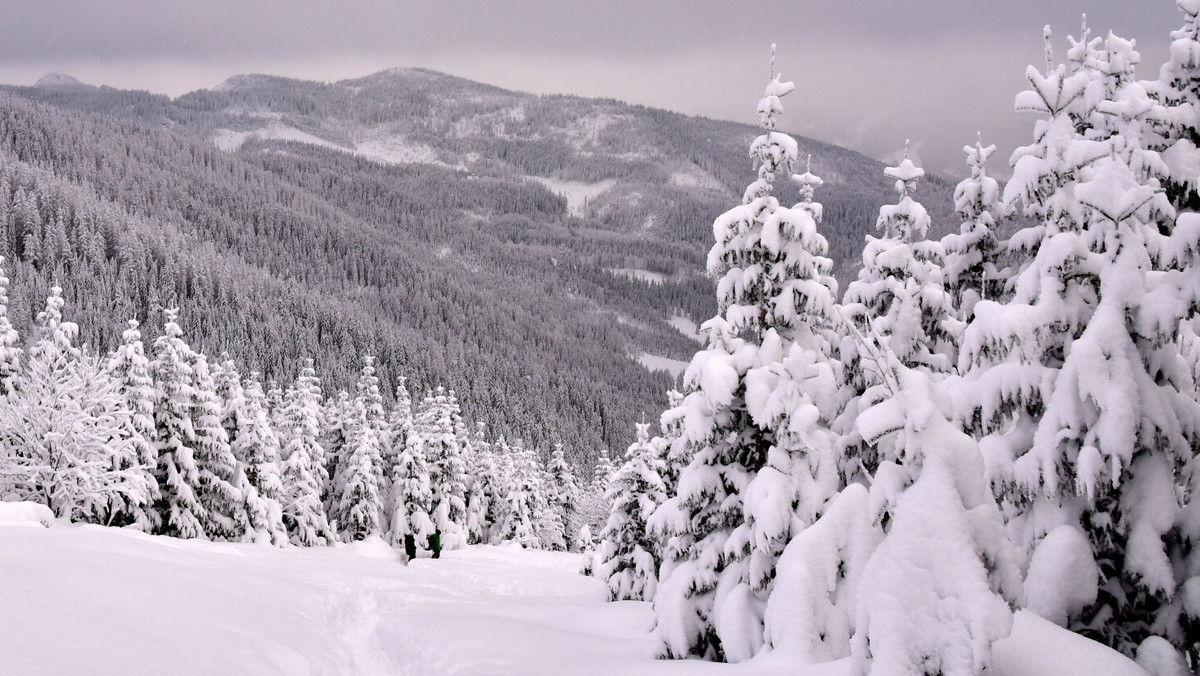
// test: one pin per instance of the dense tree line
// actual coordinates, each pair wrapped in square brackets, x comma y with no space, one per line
[1005,418]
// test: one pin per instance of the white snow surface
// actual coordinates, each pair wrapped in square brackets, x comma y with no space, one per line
[638,274]
[655,363]
[687,327]
[230,140]
[87,599]
[576,192]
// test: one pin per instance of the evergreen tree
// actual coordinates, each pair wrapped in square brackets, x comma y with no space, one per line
[562,491]
[359,500]
[440,445]
[337,414]
[303,472]
[625,558]
[219,478]
[64,431]
[776,299]
[257,449]
[129,366]
[1076,384]
[10,354]
[182,514]
[481,491]
[519,515]
[971,273]
[412,496]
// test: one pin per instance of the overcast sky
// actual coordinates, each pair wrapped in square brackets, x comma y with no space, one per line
[869,74]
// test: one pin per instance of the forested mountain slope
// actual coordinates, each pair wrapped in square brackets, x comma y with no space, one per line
[436,223]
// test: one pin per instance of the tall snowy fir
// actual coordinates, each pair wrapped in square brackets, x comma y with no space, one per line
[896,306]
[219,488]
[10,353]
[562,492]
[748,408]
[1076,384]
[626,556]
[972,269]
[129,366]
[257,449]
[302,472]
[443,455]
[411,496]
[359,498]
[178,477]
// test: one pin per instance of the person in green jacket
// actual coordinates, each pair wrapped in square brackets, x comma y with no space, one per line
[435,544]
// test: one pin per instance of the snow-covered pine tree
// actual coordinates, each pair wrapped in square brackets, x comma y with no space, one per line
[626,555]
[337,414]
[64,431]
[366,392]
[10,353]
[1176,131]
[1076,384]
[775,297]
[181,514]
[129,366]
[481,471]
[257,450]
[945,557]
[303,472]
[219,481]
[399,425]
[562,491]
[412,498]
[443,456]
[971,272]
[500,486]
[359,498]
[897,305]
[523,499]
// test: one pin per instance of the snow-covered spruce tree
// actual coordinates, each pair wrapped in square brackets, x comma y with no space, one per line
[440,445]
[593,509]
[412,498]
[366,392]
[400,425]
[1087,416]
[359,499]
[481,489]
[742,396]
[129,366]
[258,451]
[971,272]
[897,305]
[524,500]
[934,595]
[303,462]
[219,477]
[500,486]
[562,491]
[10,354]
[181,514]
[625,557]
[335,439]
[1176,131]
[64,431]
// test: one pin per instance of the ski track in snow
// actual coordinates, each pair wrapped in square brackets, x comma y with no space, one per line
[87,599]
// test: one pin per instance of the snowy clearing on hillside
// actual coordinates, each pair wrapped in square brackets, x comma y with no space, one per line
[230,140]
[577,193]
[640,275]
[87,599]
[687,327]
[396,150]
[655,363]
[695,177]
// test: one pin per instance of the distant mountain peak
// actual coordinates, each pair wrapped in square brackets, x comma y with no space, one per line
[60,81]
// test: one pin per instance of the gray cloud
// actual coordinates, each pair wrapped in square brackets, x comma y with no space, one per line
[870,74]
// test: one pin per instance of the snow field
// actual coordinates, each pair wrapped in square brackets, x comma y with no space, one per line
[89,599]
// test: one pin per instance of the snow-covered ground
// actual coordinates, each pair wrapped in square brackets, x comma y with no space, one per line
[653,362]
[229,140]
[638,274]
[85,599]
[577,193]
[687,327]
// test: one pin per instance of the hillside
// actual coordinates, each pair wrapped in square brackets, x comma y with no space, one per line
[494,242]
